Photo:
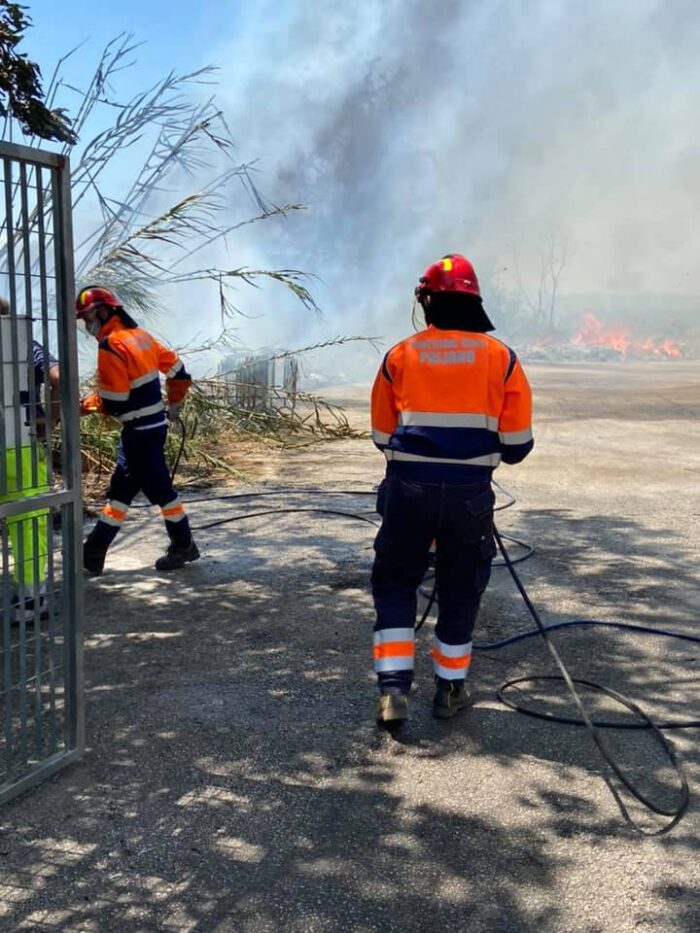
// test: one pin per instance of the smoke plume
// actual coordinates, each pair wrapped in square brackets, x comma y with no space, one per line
[412,129]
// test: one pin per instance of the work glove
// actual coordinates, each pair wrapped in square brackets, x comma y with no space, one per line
[174,411]
[89,405]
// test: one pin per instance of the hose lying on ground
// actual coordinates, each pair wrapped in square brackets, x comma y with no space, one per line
[675,813]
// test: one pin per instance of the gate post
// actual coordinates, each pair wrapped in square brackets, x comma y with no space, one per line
[41,672]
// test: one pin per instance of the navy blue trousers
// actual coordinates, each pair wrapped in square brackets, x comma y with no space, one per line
[459,519]
[141,467]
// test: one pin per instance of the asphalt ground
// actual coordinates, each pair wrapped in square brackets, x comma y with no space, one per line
[234,778]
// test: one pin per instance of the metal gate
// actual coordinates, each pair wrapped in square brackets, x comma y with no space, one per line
[41,701]
[260,383]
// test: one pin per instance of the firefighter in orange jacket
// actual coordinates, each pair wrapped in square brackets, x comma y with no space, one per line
[448,405]
[129,363]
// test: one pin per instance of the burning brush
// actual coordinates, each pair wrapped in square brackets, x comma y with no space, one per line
[595,340]
[593,333]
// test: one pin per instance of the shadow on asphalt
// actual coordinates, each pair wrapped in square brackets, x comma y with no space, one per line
[234,778]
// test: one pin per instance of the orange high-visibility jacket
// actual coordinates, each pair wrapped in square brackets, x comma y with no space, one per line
[129,363]
[449,405]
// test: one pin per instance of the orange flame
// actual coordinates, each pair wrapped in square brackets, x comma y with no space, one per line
[593,333]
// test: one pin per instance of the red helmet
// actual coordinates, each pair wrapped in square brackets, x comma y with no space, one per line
[452,273]
[92,297]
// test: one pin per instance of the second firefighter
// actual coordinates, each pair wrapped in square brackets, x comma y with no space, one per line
[129,364]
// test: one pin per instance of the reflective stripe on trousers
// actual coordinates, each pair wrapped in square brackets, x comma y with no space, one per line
[460,519]
[141,467]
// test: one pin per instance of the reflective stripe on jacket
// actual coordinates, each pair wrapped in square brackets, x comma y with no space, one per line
[129,363]
[449,405]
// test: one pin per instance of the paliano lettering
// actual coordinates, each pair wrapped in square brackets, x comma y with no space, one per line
[447,357]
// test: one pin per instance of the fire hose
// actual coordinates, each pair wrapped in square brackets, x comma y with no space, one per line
[593,727]
[181,447]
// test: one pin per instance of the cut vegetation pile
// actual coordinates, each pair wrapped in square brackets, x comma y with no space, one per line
[218,435]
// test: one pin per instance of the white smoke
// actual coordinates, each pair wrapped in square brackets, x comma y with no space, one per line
[412,129]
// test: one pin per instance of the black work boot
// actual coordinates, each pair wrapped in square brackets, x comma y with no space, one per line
[392,710]
[450,697]
[177,556]
[93,558]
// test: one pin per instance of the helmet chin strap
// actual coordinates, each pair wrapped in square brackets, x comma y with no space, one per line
[414,315]
[418,304]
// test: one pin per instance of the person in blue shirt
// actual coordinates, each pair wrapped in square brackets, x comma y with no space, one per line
[46,370]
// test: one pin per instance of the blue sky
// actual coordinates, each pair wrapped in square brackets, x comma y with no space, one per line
[176,34]
[411,129]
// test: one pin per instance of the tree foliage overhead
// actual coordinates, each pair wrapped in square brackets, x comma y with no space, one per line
[171,223]
[156,186]
[21,94]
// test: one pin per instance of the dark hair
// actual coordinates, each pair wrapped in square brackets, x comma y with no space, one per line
[4,307]
[457,311]
[126,319]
